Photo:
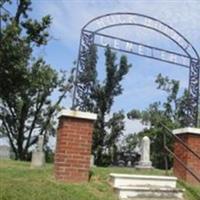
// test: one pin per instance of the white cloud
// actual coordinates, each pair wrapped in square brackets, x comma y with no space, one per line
[134,126]
[70,16]
[183,15]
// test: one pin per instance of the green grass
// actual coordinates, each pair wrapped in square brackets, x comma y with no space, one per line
[192,192]
[19,182]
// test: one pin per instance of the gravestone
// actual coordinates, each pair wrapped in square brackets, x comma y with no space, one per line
[92,161]
[145,162]
[5,152]
[129,163]
[38,156]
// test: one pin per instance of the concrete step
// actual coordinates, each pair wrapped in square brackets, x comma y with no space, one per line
[149,198]
[135,180]
[148,192]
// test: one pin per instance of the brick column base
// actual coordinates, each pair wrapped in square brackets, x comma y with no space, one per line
[191,137]
[73,147]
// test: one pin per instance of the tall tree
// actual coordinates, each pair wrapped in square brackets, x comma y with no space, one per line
[130,143]
[103,95]
[171,113]
[116,127]
[26,82]
[98,96]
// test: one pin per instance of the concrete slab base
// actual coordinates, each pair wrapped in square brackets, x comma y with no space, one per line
[140,187]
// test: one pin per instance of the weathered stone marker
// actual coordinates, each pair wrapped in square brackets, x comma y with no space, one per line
[145,162]
[5,152]
[92,161]
[73,147]
[38,156]
[129,164]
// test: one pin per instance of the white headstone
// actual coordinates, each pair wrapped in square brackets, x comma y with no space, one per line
[40,143]
[145,162]
[5,152]
[38,156]
[129,164]
[92,161]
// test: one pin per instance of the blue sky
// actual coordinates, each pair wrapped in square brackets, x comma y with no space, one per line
[69,16]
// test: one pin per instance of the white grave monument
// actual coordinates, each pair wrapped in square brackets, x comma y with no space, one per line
[92,161]
[5,152]
[38,156]
[145,162]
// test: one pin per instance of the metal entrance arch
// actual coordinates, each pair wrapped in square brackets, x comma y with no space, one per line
[91,35]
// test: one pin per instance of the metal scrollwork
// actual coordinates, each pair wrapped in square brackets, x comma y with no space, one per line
[190,59]
[193,93]
[81,90]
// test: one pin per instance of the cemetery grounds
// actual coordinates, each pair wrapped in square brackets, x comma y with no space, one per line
[19,182]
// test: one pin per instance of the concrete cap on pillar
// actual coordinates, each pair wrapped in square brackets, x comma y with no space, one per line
[77,114]
[186,130]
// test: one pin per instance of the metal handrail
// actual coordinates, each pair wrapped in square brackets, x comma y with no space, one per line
[174,155]
[181,141]
[182,163]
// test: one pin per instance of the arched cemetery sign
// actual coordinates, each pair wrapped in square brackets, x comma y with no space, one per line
[91,34]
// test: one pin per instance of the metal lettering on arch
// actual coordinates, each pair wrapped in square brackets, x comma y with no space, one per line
[91,35]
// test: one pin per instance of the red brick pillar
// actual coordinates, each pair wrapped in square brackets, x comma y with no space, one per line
[191,137]
[73,147]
